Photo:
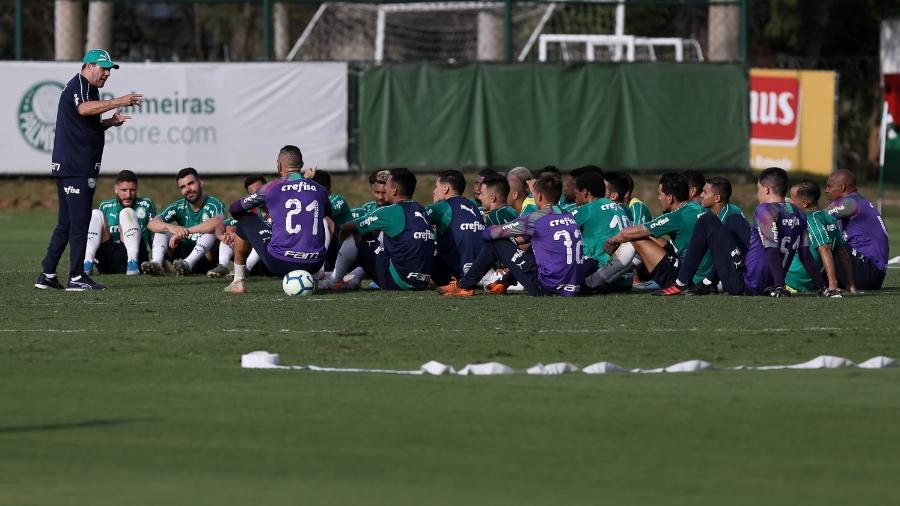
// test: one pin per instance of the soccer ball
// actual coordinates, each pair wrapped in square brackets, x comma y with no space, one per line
[298,283]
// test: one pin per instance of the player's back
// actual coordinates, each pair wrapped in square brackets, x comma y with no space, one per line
[639,212]
[411,251]
[297,208]
[557,248]
[821,229]
[864,231]
[500,216]
[733,218]
[459,232]
[775,225]
[600,220]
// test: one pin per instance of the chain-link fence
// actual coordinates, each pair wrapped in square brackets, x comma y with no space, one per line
[459,31]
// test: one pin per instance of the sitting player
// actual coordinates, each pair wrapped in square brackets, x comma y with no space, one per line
[567,201]
[642,244]
[340,214]
[494,194]
[600,218]
[300,228]
[825,242]
[185,229]
[458,226]
[864,232]
[519,197]
[117,235]
[405,258]
[479,181]
[638,211]
[778,233]
[696,181]
[348,272]
[225,233]
[553,265]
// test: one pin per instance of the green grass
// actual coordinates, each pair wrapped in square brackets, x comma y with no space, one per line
[135,396]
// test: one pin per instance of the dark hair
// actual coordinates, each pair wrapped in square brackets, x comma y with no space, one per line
[256,178]
[592,182]
[585,169]
[323,178]
[485,173]
[674,184]
[776,179]
[618,183]
[292,156]
[405,180]
[185,172]
[499,184]
[630,180]
[546,169]
[126,175]
[455,179]
[809,190]
[721,187]
[695,179]
[550,186]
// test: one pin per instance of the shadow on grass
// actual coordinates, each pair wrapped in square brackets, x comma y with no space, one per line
[84,424]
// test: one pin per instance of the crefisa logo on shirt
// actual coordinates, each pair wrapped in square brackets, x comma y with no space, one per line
[36,116]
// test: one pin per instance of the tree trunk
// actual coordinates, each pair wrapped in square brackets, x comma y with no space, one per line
[100,25]
[68,27]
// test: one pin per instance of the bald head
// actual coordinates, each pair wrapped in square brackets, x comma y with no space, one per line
[840,183]
[521,173]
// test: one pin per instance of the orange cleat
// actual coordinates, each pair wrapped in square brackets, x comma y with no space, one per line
[449,286]
[454,290]
[497,288]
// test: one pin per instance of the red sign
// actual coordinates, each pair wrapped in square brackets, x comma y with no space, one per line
[774,109]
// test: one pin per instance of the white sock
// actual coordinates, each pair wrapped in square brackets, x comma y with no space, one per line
[130,232]
[225,253]
[203,244]
[240,272]
[345,259]
[252,260]
[160,246]
[93,239]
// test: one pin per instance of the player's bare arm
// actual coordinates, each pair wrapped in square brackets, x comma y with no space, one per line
[207,227]
[95,107]
[628,234]
[844,258]
[828,264]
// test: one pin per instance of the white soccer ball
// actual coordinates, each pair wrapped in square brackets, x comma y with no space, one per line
[300,283]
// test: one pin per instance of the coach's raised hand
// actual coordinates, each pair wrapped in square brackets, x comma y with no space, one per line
[131,100]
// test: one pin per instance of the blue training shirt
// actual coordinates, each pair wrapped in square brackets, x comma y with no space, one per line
[79,140]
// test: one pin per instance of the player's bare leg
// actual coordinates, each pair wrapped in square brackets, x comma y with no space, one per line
[242,250]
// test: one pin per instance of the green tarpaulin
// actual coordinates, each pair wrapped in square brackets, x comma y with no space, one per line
[628,116]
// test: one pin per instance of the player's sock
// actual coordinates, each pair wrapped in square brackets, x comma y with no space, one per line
[345,259]
[202,245]
[160,246]
[131,232]
[225,253]
[355,278]
[95,228]
[252,260]
[240,272]
[620,263]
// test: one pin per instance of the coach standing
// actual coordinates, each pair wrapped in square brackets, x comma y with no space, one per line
[77,152]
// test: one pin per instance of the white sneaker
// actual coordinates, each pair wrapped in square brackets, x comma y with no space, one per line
[491,276]
[516,288]
[236,286]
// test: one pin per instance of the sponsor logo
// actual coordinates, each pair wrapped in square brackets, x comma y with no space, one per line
[301,255]
[418,276]
[297,187]
[36,115]
[426,235]
[368,221]
[568,288]
[54,167]
[562,222]
[71,190]
[141,213]
[775,110]
[474,226]
[659,222]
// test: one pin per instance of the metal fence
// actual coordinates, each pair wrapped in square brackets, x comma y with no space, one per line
[399,30]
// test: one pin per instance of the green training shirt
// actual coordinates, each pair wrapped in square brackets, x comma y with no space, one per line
[639,212]
[144,209]
[822,229]
[500,216]
[679,226]
[182,213]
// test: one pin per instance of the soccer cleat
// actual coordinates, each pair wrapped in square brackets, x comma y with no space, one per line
[47,283]
[132,269]
[777,291]
[448,287]
[496,288]
[151,268]
[702,289]
[457,291]
[518,288]
[219,271]
[83,283]
[89,266]
[646,286]
[671,290]
[831,294]
[181,267]
[236,286]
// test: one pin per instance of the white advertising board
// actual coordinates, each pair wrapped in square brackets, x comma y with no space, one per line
[221,118]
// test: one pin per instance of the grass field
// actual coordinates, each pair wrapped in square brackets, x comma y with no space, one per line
[134,396]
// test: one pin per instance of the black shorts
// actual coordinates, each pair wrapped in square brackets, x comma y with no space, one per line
[112,257]
[253,229]
[866,275]
[666,271]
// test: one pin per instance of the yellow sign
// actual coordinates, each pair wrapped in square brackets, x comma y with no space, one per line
[792,120]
